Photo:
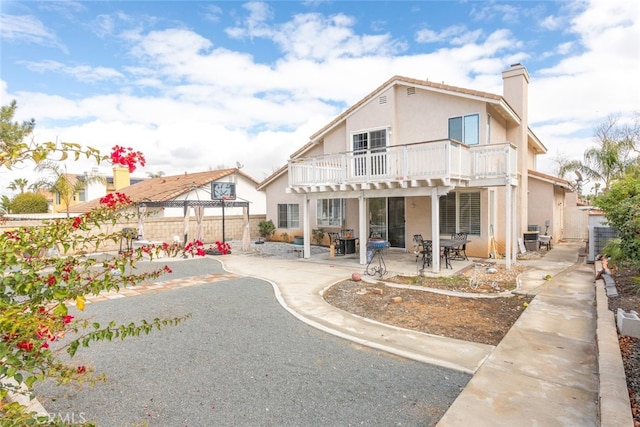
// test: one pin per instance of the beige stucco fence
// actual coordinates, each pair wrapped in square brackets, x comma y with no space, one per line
[165,229]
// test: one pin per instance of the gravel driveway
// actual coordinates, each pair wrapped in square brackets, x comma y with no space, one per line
[242,360]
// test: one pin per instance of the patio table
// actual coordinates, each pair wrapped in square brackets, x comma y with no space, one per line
[446,246]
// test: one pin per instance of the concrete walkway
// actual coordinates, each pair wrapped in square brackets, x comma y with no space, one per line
[543,373]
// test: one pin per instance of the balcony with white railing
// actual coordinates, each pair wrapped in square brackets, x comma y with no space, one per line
[425,164]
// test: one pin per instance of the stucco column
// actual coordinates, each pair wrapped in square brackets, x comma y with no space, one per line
[435,231]
[515,226]
[508,225]
[306,231]
[362,228]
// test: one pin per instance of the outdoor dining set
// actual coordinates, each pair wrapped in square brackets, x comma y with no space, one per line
[453,248]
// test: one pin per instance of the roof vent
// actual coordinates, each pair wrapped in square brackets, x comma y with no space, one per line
[411,91]
[382,99]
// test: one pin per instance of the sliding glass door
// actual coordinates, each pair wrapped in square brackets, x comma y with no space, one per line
[386,220]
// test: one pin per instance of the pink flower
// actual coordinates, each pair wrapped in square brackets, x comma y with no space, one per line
[127,157]
[25,345]
[77,221]
[112,200]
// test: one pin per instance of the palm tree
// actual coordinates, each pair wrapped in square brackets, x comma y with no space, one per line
[608,161]
[5,205]
[62,184]
[18,184]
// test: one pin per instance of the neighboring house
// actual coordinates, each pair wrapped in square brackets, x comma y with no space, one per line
[172,193]
[416,157]
[556,196]
[94,189]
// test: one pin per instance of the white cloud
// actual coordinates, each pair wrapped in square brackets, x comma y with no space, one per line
[206,105]
[602,78]
[28,29]
[455,34]
[84,73]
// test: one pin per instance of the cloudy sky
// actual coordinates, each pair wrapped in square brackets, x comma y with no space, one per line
[199,85]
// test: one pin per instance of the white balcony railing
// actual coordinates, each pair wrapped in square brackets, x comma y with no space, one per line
[442,161]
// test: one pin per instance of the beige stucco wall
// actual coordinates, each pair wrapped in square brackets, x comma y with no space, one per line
[372,115]
[424,116]
[276,194]
[551,202]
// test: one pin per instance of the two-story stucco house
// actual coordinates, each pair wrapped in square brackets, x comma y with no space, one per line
[417,157]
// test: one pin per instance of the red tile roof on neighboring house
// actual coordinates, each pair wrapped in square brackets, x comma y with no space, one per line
[165,188]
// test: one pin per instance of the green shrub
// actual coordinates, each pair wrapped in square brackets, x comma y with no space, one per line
[318,236]
[29,203]
[266,228]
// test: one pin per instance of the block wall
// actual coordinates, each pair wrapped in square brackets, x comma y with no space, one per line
[164,229]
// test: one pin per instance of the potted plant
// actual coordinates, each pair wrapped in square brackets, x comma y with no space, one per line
[266,229]
[318,236]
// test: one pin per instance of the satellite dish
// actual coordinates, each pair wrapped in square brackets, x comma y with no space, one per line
[579,175]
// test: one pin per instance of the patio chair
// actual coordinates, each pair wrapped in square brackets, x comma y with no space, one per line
[545,241]
[334,239]
[423,249]
[459,252]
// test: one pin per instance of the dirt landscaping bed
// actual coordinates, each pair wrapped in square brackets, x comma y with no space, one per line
[483,320]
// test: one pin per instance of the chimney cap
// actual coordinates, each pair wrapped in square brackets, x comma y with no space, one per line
[517,64]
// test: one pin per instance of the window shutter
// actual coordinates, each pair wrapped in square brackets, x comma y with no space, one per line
[448,213]
[470,213]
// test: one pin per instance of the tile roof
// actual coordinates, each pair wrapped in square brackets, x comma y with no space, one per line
[165,188]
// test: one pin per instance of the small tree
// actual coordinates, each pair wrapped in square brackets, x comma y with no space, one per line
[621,207]
[616,150]
[266,228]
[61,183]
[18,184]
[5,205]
[25,203]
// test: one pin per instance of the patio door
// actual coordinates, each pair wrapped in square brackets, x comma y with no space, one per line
[396,221]
[386,220]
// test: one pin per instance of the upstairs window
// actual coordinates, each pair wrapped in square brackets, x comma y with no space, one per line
[376,141]
[465,129]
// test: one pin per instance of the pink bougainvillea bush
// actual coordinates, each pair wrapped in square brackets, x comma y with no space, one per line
[38,289]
